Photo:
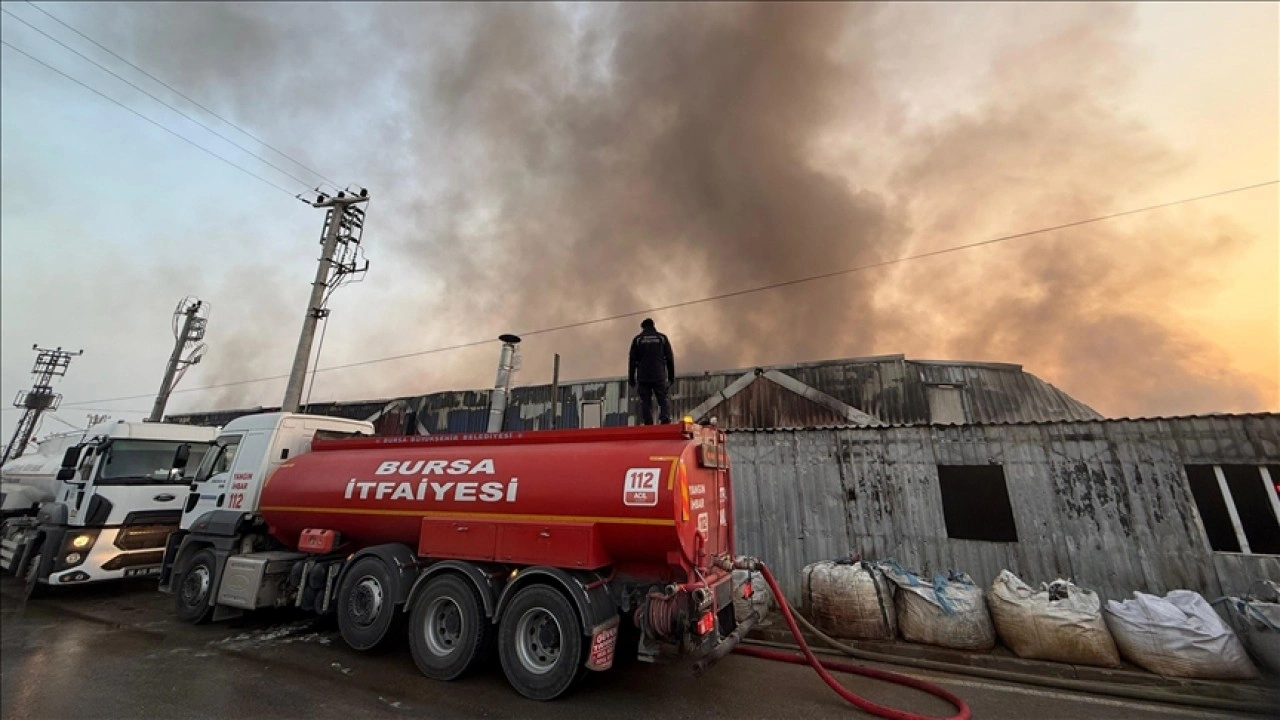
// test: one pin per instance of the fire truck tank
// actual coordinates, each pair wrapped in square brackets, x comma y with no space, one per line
[582,499]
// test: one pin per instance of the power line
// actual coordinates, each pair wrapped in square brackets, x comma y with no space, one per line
[124,80]
[64,422]
[181,137]
[91,409]
[736,293]
[184,96]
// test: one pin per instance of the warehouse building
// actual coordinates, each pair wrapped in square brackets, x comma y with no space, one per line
[940,465]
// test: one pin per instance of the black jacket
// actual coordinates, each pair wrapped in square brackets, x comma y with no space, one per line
[651,359]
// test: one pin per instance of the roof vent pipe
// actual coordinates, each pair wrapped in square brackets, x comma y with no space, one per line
[508,362]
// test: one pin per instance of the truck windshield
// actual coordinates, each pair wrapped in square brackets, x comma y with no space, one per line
[219,458]
[146,462]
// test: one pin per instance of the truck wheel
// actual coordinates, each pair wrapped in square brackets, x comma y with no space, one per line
[192,588]
[366,605]
[30,572]
[540,643]
[448,632]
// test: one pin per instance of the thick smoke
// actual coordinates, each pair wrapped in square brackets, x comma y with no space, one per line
[534,165]
[665,155]
[1086,307]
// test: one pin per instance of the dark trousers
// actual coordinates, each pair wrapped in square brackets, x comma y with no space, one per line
[647,391]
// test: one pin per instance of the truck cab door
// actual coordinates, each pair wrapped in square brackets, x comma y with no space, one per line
[250,469]
[211,480]
[76,491]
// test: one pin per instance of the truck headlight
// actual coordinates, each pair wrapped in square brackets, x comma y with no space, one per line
[75,548]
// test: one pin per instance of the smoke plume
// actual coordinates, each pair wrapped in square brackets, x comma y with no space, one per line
[534,165]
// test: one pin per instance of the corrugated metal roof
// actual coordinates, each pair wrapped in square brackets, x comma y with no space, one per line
[890,389]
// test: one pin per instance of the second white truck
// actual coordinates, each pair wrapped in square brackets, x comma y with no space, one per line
[98,504]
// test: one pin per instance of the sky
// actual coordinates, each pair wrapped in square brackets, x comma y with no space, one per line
[533,166]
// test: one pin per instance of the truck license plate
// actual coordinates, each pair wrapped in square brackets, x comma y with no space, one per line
[142,571]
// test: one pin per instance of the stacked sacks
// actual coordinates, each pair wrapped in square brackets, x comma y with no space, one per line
[849,599]
[948,612]
[1061,622]
[1178,635]
[760,600]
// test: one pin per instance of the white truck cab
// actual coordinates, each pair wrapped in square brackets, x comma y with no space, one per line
[247,450]
[117,493]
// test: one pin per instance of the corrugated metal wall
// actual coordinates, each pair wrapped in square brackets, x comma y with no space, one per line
[1105,503]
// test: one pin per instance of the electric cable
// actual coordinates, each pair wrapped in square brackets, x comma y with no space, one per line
[174,133]
[126,81]
[186,97]
[722,296]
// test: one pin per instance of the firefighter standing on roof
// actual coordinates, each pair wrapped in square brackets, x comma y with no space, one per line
[653,368]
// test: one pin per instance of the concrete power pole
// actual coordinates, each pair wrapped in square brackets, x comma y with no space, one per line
[189,322]
[49,364]
[339,253]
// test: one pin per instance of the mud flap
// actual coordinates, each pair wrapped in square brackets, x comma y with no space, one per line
[604,643]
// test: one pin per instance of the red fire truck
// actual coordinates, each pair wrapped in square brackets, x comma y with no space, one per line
[541,546]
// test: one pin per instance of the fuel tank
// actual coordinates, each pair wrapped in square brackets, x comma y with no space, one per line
[580,499]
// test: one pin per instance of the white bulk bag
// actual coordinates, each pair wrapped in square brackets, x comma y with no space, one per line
[1256,620]
[948,612]
[1178,635]
[849,600]
[1061,622]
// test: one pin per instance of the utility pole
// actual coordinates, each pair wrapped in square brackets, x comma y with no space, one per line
[189,322]
[340,256]
[41,397]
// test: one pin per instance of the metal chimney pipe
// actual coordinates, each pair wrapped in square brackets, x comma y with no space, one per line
[502,386]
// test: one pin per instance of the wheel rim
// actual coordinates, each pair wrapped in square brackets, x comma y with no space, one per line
[444,626]
[195,586]
[366,601]
[538,641]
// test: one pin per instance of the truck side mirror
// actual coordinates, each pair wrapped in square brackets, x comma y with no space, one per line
[66,473]
[70,458]
[181,456]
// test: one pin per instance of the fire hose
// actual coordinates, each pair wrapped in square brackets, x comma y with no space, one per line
[822,666]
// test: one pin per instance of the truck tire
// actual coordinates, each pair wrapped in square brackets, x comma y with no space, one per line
[30,571]
[540,643]
[192,586]
[448,632]
[366,603]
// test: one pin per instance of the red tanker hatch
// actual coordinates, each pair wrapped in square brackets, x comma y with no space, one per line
[564,545]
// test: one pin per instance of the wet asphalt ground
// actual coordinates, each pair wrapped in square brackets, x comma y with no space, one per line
[115,651]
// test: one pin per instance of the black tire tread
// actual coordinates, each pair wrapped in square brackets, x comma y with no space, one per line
[366,638]
[567,673]
[469,598]
[188,614]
